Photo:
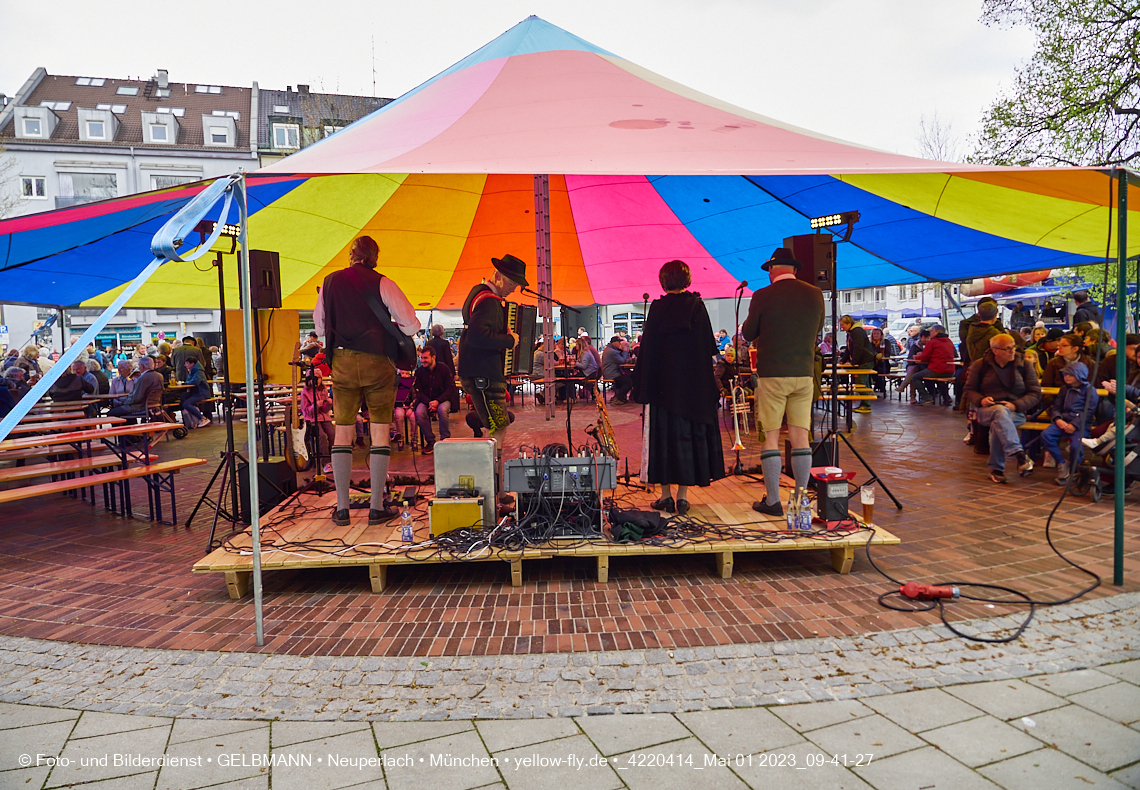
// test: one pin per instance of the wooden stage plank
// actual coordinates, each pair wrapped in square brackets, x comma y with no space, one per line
[317,530]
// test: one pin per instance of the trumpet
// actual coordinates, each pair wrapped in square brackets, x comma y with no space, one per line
[739,406]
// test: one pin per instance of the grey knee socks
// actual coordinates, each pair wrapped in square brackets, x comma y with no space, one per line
[378,458]
[770,465]
[801,465]
[342,473]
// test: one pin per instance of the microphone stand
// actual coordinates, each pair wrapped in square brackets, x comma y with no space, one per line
[738,468]
[550,299]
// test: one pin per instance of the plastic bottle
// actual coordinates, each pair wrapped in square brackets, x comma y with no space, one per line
[792,513]
[406,532]
[805,511]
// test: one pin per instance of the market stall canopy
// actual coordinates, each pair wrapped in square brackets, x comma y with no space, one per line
[643,170]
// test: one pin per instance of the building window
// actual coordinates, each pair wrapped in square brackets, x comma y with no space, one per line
[94,82]
[165,182]
[84,187]
[162,93]
[62,106]
[914,292]
[33,187]
[880,294]
[286,135]
[207,89]
[158,133]
[32,127]
[127,90]
[331,130]
[630,323]
[177,111]
[280,109]
[226,114]
[219,135]
[858,296]
[846,297]
[95,130]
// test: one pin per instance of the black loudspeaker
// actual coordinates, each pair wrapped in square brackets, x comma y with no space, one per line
[265,279]
[816,251]
[820,454]
[276,480]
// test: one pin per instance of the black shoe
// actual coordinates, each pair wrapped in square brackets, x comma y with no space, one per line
[997,476]
[666,504]
[768,510]
[1024,464]
[682,507]
[376,517]
[340,518]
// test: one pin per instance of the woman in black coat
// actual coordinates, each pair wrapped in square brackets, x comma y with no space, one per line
[674,378]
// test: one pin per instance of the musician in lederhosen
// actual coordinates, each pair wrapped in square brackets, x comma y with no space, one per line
[481,345]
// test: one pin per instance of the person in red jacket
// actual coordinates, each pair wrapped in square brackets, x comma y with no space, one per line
[938,354]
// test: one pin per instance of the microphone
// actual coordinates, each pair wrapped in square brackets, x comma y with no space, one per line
[645,297]
[742,286]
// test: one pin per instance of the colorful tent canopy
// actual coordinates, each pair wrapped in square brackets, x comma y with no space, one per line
[643,170]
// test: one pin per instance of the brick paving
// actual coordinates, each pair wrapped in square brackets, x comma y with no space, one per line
[74,574]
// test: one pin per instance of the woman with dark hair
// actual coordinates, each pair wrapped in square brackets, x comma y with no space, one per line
[674,379]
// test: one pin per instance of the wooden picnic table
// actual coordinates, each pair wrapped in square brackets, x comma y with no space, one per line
[1057,390]
[61,405]
[65,425]
[57,415]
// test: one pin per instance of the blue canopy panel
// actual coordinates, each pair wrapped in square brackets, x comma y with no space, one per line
[934,248]
[740,225]
[64,263]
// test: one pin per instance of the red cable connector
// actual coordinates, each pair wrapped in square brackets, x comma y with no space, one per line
[927,592]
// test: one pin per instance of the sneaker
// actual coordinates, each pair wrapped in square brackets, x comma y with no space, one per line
[1092,444]
[665,503]
[1050,461]
[1024,464]
[377,517]
[205,421]
[862,408]
[1062,474]
[328,469]
[997,476]
[340,518]
[768,510]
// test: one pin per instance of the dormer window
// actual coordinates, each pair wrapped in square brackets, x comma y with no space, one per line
[127,90]
[158,133]
[219,130]
[37,123]
[286,135]
[219,135]
[96,130]
[94,82]
[97,125]
[32,127]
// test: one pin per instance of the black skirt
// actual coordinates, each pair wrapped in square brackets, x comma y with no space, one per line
[683,452]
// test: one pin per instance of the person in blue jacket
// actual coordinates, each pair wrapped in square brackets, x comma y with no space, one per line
[196,375]
[1070,415]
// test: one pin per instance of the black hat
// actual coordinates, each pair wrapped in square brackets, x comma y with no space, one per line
[1056,333]
[781,256]
[513,268]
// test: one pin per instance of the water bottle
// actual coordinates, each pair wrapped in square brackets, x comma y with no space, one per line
[792,514]
[406,532]
[805,511]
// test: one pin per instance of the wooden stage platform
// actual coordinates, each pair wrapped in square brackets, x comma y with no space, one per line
[726,502]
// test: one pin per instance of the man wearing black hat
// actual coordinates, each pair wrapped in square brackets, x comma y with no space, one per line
[482,343]
[1046,347]
[783,322]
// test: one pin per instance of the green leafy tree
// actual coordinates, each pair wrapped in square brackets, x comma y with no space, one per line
[1077,100]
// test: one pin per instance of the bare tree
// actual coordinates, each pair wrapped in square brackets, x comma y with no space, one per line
[9,188]
[936,139]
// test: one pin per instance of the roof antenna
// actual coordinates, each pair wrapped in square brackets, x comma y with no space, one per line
[373,64]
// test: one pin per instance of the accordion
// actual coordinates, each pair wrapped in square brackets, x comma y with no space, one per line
[520,319]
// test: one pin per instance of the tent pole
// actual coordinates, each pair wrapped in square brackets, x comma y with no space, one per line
[545,286]
[251,350]
[1121,372]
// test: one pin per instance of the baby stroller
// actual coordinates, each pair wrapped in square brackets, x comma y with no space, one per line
[1097,470]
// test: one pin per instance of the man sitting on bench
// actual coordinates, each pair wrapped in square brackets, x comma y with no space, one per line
[147,392]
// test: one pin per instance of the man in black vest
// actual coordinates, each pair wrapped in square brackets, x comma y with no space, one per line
[481,346]
[362,353]
[783,322]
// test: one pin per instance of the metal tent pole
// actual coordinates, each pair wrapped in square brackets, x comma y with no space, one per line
[251,350]
[545,285]
[1121,372]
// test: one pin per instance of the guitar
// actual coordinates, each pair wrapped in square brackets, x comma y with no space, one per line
[296,453]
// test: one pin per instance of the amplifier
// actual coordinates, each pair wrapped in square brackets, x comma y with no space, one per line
[468,464]
[579,473]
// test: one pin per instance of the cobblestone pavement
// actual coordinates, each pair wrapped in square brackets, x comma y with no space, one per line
[916,708]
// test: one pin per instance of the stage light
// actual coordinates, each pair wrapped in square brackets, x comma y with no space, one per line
[831,220]
[207,226]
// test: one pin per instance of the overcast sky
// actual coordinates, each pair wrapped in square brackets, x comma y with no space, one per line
[861,70]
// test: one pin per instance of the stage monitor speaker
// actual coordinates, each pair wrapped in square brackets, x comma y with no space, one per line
[820,455]
[816,251]
[276,480]
[264,279]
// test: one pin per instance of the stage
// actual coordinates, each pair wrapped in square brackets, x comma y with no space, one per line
[301,535]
